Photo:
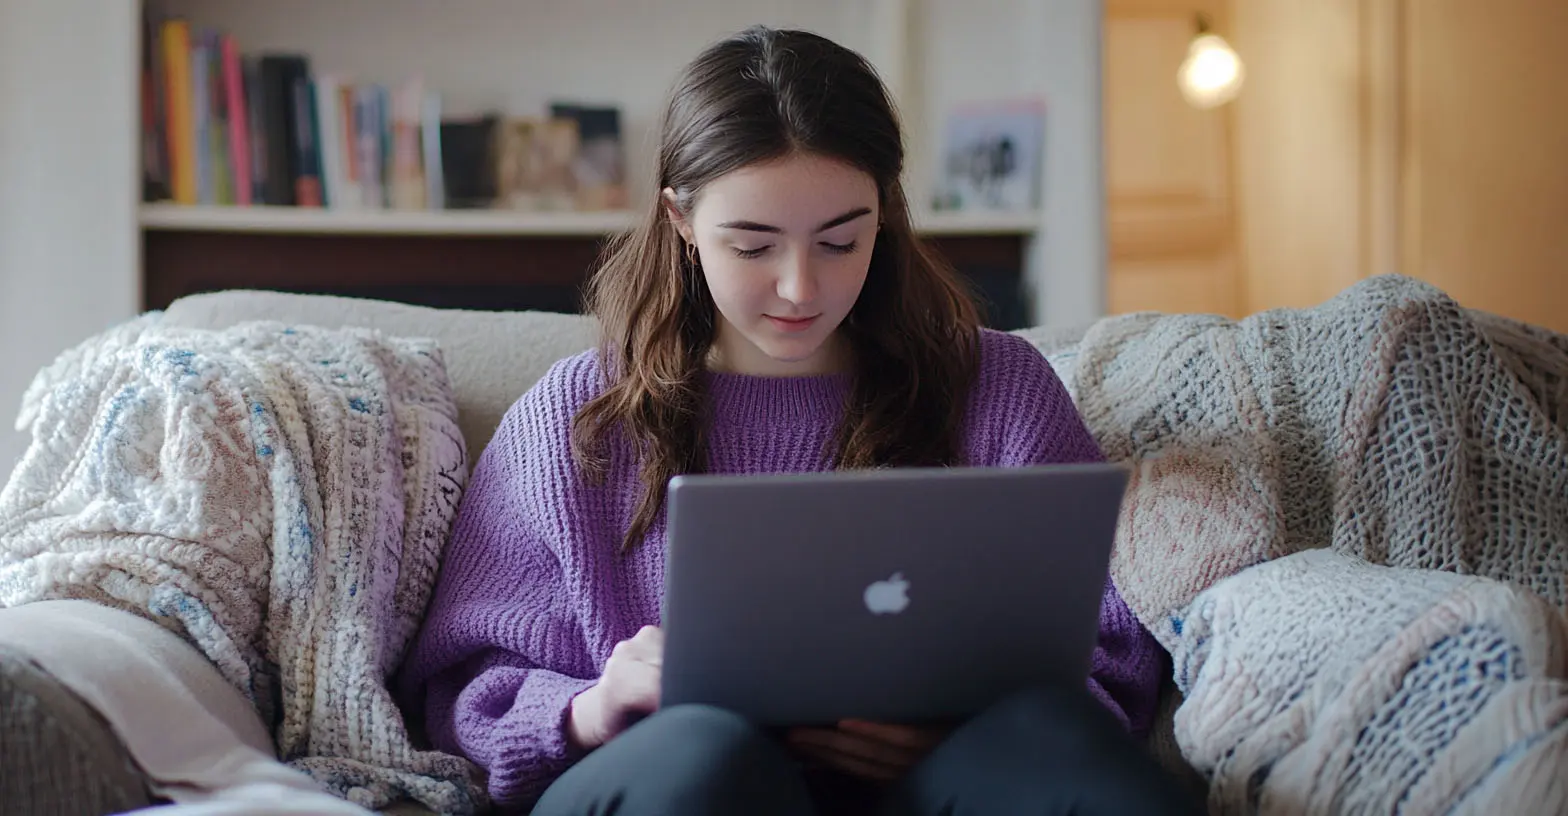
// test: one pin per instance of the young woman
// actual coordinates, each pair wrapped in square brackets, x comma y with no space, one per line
[773,312]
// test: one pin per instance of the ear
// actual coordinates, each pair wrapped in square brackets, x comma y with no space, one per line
[682,226]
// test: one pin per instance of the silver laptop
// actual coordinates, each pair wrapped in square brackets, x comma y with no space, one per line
[904,595]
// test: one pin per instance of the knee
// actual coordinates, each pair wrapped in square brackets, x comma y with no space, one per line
[708,753]
[712,734]
[1054,708]
[687,759]
[1053,725]
[1057,748]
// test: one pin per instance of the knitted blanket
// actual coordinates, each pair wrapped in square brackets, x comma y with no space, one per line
[1392,427]
[1318,683]
[277,496]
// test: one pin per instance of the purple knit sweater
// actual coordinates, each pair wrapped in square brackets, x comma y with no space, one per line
[534,592]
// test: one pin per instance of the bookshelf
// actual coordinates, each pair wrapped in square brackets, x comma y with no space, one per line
[78,252]
[513,58]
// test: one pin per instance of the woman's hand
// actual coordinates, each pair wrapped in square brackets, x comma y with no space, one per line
[875,751]
[628,688]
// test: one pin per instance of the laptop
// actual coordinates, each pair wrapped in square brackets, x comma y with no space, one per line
[899,595]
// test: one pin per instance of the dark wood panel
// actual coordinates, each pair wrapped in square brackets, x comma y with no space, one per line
[474,272]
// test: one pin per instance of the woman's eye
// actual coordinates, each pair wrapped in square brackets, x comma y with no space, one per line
[750,253]
[840,249]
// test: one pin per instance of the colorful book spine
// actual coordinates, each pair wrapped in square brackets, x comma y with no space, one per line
[329,142]
[258,132]
[180,126]
[201,116]
[307,176]
[218,122]
[239,122]
[348,149]
[408,181]
[430,143]
[368,150]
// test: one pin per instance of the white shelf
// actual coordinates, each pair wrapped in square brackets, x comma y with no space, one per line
[305,221]
[977,223]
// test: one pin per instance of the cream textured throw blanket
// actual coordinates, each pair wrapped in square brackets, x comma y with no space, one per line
[277,496]
[1389,427]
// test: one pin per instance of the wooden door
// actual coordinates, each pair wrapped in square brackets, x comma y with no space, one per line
[1485,113]
[1167,167]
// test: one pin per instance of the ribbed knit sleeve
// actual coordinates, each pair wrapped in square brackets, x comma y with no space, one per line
[1021,414]
[502,651]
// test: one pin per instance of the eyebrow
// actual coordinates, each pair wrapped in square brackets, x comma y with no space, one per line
[752,226]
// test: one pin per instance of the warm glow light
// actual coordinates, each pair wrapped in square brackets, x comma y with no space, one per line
[1212,73]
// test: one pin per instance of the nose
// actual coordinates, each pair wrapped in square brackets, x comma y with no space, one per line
[797,280]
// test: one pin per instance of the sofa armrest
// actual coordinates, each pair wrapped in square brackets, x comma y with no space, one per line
[56,754]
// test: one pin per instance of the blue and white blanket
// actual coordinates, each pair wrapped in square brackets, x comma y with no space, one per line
[1349,526]
[279,497]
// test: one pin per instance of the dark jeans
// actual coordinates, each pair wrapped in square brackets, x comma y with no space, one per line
[1041,752]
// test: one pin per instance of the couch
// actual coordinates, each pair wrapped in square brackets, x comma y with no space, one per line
[58,752]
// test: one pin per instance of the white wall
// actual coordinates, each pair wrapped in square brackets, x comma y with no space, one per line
[68,241]
[1068,274]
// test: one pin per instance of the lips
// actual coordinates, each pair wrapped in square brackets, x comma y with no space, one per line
[792,324]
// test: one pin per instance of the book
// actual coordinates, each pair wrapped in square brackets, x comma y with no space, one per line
[326,97]
[257,127]
[154,148]
[368,150]
[277,75]
[216,126]
[180,128]
[406,164]
[201,118]
[430,145]
[468,159]
[307,144]
[239,121]
[534,159]
[599,166]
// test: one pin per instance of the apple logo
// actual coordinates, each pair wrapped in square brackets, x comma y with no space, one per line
[888,597]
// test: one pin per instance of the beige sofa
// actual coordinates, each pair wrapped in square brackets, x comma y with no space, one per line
[59,752]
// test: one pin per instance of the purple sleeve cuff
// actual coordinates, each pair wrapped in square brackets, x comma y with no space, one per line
[1128,664]
[512,721]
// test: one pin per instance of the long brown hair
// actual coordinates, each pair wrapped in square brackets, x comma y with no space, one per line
[913,334]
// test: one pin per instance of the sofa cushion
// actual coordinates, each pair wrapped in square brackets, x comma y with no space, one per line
[491,357]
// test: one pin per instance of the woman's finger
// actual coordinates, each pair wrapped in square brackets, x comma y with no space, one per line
[854,745]
[922,740]
[647,645]
[853,765]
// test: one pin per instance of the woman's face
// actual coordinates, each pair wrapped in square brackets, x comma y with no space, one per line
[785,246]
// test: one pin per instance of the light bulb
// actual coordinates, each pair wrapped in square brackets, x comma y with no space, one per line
[1212,73]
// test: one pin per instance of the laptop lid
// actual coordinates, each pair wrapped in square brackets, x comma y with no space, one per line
[900,595]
